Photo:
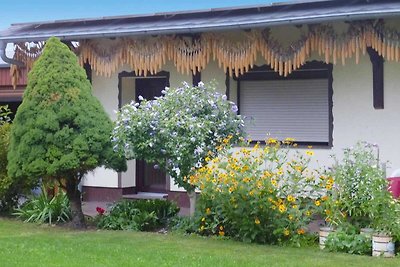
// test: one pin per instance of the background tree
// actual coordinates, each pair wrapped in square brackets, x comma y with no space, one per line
[178,130]
[60,131]
[10,189]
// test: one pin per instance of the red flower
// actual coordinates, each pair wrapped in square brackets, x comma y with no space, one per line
[100,210]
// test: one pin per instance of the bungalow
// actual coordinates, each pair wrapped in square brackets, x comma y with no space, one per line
[323,72]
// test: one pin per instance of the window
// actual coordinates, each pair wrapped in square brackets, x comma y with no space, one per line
[298,106]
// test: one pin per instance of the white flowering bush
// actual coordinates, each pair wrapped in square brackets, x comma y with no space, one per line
[177,130]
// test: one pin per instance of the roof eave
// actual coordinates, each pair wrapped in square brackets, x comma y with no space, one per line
[203,28]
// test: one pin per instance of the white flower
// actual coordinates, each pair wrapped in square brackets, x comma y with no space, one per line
[234,108]
[200,84]
[140,98]
[192,139]
[198,150]
[176,170]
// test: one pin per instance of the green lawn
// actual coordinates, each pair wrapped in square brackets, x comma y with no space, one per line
[24,244]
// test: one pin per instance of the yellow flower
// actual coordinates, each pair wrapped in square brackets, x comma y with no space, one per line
[317,203]
[274,182]
[267,174]
[294,206]
[290,198]
[272,141]
[208,211]
[290,217]
[257,221]
[282,208]
[310,153]
[308,213]
[246,180]
[300,231]
[288,141]
[324,198]
[327,212]
[203,219]
[273,207]
[279,172]
[207,159]
[221,228]
[221,233]
[328,186]
[298,168]
[286,232]
[202,228]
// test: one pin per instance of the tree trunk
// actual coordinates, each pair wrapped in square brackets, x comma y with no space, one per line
[74,196]
[192,201]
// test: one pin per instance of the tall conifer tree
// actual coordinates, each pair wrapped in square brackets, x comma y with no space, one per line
[60,131]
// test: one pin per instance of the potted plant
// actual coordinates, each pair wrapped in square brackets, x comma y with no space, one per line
[386,222]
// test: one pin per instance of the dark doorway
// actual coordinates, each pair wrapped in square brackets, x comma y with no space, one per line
[149,179]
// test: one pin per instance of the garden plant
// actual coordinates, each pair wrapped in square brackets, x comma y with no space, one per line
[178,130]
[45,209]
[60,131]
[360,199]
[138,215]
[260,194]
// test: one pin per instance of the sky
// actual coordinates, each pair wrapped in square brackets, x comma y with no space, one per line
[45,10]
[50,10]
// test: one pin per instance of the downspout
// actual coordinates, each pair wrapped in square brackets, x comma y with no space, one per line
[6,59]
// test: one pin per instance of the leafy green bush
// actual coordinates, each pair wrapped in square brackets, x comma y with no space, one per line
[183,224]
[10,189]
[350,241]
[360,196]
[359,181]
[179,143]
[138,215]
[45,209]
[259,195]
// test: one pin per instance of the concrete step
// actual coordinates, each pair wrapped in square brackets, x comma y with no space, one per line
[146,195]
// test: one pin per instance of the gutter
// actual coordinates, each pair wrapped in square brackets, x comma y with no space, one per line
[6,59]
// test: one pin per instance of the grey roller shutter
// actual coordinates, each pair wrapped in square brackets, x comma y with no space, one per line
[286,108]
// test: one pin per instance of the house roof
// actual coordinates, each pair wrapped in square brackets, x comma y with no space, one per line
[204,20]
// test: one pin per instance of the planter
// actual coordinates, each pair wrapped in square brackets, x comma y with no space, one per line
[382,245]
[323,234]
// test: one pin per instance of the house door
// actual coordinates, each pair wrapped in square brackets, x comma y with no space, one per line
[149,179]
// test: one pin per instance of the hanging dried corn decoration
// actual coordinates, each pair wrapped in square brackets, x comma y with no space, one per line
[147,56]
[105,60]
[28,52]
[236,58]
[190,55]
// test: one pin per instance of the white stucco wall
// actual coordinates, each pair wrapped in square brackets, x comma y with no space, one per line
[128,93]
[106,90]
[354,117]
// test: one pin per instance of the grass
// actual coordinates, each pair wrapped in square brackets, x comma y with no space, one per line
[23,244]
